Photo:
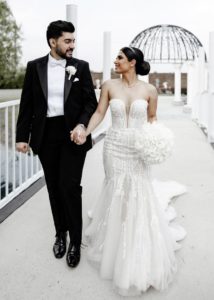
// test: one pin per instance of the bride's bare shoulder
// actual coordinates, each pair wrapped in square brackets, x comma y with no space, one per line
[111,82]
[149,87]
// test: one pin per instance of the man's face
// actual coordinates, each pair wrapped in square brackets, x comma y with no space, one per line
[64,45]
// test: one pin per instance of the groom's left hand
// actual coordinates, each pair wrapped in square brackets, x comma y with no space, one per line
[78,134]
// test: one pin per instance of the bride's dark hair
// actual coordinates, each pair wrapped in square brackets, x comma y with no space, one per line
[142,67]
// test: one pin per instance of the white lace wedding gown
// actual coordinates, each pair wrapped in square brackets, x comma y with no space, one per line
[131,236]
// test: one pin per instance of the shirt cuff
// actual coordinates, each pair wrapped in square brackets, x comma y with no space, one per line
[82,125]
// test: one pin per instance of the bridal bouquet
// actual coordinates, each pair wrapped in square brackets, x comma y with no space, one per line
[154,143]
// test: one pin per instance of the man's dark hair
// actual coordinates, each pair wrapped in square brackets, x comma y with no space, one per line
[56,28]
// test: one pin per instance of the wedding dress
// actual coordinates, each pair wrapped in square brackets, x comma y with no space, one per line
[131,236]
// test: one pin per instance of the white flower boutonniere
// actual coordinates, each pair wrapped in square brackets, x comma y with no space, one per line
[71,71]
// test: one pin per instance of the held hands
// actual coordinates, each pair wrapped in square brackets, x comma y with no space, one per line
[78,134]
[22,147]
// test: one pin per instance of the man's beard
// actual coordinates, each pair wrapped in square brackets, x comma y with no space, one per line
[63,55]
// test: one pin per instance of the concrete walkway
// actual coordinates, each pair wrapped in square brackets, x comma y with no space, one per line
[29,271]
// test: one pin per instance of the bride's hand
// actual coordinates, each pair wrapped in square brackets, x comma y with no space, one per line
[81,140]
[78,135]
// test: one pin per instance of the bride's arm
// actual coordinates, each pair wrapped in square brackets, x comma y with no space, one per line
[152,107]
[100,112]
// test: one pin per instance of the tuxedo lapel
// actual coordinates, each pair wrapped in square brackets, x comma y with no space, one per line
[43,77]
[67,87]
[69,82]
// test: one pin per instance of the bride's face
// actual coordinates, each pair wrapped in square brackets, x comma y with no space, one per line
[122,64]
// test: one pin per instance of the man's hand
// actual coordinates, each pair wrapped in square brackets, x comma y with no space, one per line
[78,135]
[22,147]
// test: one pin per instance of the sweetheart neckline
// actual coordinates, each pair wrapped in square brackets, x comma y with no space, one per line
[138,99]
[127,113]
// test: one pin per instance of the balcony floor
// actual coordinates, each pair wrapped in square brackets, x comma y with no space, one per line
[28,269]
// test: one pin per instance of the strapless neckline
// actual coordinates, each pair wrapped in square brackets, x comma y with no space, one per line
[136,100]
[128,116]
[129,108]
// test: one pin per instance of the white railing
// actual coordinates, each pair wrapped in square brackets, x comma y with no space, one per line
[17,170]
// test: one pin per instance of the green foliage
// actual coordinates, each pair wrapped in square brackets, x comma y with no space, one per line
[11,74]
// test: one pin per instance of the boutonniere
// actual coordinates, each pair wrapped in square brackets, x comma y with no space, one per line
[71,71]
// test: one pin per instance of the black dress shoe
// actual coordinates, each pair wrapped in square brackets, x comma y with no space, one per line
[73,255]
[59,247]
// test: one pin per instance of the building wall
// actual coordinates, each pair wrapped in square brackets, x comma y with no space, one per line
[164,82]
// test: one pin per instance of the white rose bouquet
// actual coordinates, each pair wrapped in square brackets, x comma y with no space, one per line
[154,143]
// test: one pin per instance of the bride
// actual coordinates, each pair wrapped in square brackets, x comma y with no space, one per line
[131,237]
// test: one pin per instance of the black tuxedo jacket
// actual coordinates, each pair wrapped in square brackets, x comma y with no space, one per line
[79,102]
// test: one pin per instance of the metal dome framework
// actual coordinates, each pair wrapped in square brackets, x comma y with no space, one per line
[167,44]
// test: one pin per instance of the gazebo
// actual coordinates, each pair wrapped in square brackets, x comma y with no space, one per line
[169,44]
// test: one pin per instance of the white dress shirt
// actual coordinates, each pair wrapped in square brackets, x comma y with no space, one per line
[56,80]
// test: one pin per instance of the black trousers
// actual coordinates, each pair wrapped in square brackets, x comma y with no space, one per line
[63,164]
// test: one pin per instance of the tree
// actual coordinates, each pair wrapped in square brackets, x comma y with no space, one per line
[10,48]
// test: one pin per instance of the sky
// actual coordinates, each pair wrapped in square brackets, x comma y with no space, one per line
[123,18]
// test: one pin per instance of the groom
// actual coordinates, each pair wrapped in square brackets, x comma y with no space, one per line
[58,97]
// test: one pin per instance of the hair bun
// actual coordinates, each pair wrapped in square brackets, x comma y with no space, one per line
[144,68]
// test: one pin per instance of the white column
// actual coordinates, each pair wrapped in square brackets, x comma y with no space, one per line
[211,63]
[211,89]
[196,100]
[206,76]
[190,87]
[177,86]
[106,55]
[203,98]
[106,123]
[199,87]
[210,127]
[201,70]
[71,16]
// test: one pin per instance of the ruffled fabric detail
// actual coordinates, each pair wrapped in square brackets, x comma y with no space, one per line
[132,236]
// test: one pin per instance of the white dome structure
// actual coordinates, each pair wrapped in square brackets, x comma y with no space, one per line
[167,44]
